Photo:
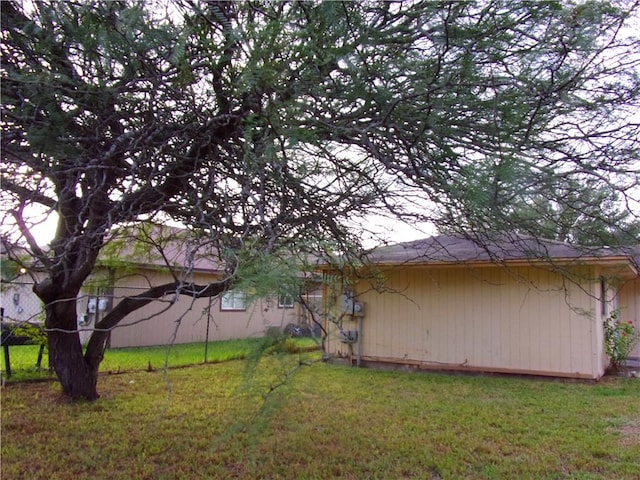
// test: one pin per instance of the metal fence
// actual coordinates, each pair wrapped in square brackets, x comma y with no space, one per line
[19,303]
[20,307]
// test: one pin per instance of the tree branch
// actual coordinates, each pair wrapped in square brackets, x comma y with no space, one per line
[97,342]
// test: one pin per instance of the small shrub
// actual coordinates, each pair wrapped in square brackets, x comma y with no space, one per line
[620,338]
[285,345]
[35,333]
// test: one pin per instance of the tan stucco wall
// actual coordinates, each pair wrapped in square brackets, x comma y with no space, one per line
[155,323]
[521,319]
[629,304]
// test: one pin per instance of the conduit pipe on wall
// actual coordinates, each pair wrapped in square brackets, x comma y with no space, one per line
[359,340]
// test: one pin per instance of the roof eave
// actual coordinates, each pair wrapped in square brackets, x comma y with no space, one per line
[620,261]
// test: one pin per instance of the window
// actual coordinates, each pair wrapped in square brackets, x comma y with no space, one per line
[603,297]
[285,301]
[233,300]
[609,301]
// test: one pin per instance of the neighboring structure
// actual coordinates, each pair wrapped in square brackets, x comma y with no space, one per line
[127,269]
[179,318]
[515,306]
[182,319]
[17,300]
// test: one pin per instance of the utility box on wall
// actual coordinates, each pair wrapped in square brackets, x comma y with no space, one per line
[347,304]
[348,336]
[351,307]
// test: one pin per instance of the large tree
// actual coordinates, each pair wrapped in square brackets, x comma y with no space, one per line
[279,126]
[583,210]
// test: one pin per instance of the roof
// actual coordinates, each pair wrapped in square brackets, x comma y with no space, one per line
[458,249]
[153,246]
[149,246]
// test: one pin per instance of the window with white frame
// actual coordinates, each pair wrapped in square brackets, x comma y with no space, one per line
[285,300]
[233,300]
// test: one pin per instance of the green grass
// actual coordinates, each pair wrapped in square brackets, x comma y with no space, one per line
[23,357]
[227,420]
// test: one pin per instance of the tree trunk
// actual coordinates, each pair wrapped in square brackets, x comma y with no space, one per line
[78,372]
[78,379]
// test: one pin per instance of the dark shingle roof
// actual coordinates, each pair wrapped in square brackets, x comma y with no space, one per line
[467,249]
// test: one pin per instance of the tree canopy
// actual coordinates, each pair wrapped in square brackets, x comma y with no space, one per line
[279,126]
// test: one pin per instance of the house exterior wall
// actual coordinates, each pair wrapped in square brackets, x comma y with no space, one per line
[518,319]
[629,304]
[159,321]
[19,303]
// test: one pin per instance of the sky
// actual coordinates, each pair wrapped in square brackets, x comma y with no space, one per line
[383,228]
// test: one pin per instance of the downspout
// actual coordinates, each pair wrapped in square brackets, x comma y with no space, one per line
[359,340]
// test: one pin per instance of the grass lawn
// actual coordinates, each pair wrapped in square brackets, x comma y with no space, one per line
[226,420]
[23,357]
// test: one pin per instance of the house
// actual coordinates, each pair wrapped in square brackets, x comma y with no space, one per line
[18,302]
[125,270]
[183,319]
[510,305]
[156,255]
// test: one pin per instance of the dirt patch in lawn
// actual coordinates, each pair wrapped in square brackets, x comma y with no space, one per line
[630,432]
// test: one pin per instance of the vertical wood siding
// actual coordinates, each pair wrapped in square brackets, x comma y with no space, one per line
[519,319]
[629,303]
